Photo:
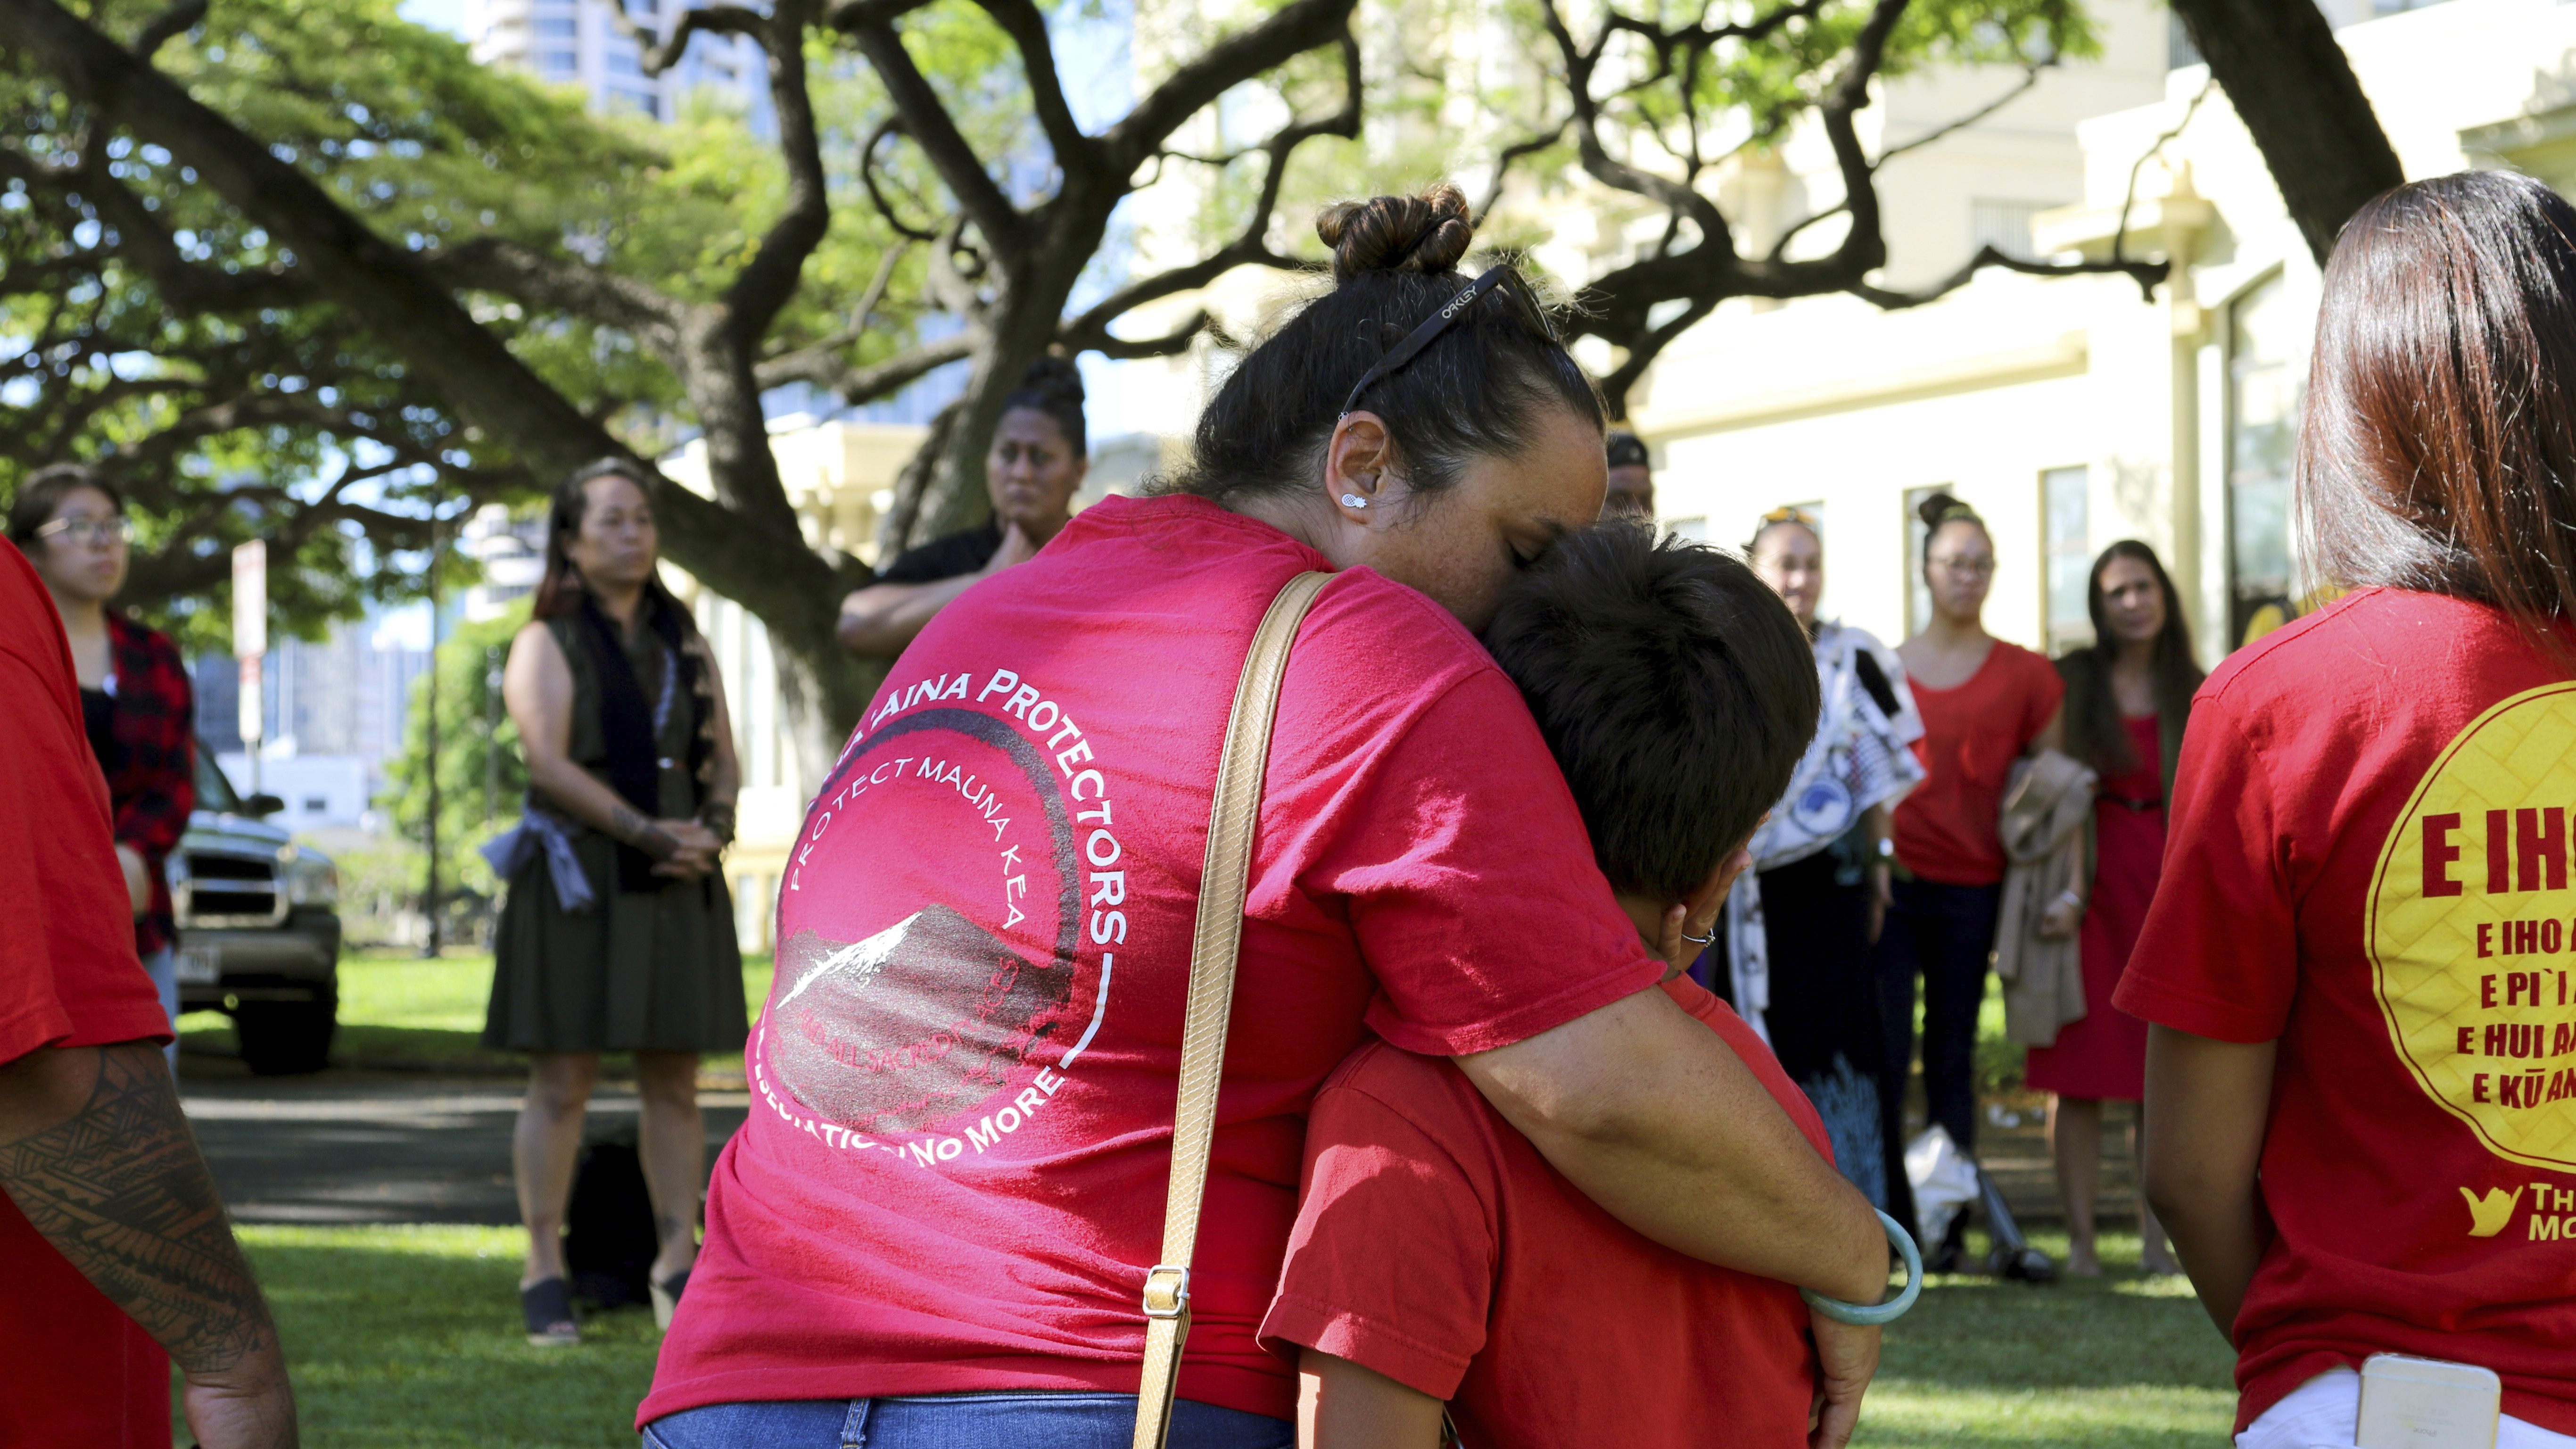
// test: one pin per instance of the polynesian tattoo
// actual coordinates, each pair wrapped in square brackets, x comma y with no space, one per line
[120,1189]
[643,834]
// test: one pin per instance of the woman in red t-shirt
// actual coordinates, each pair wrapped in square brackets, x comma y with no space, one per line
[2361,1114]
[937,1224]
[2127,697]
[1985,704]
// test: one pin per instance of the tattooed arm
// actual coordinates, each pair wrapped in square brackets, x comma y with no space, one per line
[94,1150]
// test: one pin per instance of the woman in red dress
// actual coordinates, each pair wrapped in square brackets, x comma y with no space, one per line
[2127,696]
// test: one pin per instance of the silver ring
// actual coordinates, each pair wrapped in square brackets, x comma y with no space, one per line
[1708,939]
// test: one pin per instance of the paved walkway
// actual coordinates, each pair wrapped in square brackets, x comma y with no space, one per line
[346,1146]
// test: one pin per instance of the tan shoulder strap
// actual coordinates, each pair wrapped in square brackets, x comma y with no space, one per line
[1212,951]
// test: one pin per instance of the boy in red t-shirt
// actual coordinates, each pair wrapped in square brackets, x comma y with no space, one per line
[1438,1262]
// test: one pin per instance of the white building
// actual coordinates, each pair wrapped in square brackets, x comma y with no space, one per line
[577,42]
[2068,411]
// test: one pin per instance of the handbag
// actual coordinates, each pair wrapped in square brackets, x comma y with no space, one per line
[1213,945]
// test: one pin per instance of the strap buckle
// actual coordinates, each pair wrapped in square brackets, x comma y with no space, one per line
[1167,1290]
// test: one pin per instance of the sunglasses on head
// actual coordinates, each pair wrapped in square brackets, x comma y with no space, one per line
[1502,278]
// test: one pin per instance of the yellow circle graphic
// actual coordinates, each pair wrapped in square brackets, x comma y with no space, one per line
[2471,940]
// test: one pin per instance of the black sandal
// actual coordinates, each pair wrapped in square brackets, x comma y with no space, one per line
[547,1306]
[666,1298]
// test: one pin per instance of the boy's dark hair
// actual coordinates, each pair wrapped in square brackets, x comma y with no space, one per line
[1675,688]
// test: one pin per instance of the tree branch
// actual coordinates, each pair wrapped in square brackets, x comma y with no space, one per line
[822,366]
[1020,20]
[1290,31]
[496,264]
[2145,274]
[166,26]
[657,57]
[769,279]
[927,121]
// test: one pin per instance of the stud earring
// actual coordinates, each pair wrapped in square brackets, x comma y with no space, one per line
[1353,500]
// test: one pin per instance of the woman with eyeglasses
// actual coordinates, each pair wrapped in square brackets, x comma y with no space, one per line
[937,1226]
[1985,703]
[1795,956]
[135,696]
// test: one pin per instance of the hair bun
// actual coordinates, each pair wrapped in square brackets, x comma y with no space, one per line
[1941,508]
[1426,233]
[1054,378]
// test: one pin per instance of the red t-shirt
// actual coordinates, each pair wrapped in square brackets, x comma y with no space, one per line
[954,1173]
[79,1371]
[1434,1245]
[1946,828]
[2368,864]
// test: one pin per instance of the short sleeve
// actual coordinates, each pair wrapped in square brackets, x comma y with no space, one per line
[2218,956]
[2047,691]
[943,558]
[68,974]
[1391,1263]
[31,1014]
[1471,886]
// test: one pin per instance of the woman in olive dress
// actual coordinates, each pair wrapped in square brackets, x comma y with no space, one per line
[618,932]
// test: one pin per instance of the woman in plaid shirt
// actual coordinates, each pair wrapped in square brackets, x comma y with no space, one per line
[135,696]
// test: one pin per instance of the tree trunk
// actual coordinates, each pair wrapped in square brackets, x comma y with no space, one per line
[2292,86]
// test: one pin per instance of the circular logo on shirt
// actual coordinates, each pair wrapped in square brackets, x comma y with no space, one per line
[925,1018]
[2472,929]
[1824,807]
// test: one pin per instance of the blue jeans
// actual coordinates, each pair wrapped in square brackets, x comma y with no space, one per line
[163,967]
[1947,934]
[959,1421]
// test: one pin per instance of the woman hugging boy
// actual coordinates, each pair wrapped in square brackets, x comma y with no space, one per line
[1439,1265]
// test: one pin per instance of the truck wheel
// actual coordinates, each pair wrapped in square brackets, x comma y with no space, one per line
[285,1038]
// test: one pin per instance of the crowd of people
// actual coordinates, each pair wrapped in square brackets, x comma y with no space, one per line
[1587,880]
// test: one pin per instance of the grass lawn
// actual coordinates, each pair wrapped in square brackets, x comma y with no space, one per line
[397,1010]
[406,1336]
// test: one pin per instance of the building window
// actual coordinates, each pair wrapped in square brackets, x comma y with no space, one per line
[2262,428]
[622,61]
[560,26]
[2005,226]
[625,100]
[2179,51]
[559,64]
[2064,511]
[1918,592]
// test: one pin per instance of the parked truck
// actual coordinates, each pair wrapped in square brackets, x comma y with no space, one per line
[259,927]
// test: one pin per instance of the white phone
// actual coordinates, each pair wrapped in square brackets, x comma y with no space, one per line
[2427,1403]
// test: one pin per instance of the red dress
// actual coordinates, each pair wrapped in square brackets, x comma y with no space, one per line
[2105,1053]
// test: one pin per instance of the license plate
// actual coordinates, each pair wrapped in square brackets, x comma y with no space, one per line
[200,965]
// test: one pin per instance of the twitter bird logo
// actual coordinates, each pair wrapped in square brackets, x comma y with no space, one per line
[2489,1214]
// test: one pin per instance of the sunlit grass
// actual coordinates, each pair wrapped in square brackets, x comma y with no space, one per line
[399,1010]
[408,1336]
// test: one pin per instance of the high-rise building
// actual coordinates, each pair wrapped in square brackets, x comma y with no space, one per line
[578,42]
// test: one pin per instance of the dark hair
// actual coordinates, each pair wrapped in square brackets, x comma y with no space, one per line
[2439,446]
[561,590]
[1626,449]
[1674,687]
[1478,390]
[2095,731]
[44,491]
[1053,385]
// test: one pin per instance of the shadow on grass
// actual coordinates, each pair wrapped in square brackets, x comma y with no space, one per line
[409,1337]
[2125,1362]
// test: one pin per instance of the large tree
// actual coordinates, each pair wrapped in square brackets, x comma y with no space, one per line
[286,227]
[2292,86]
